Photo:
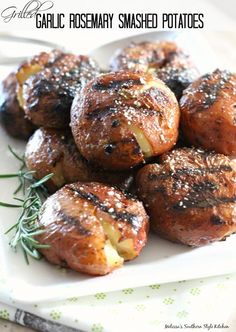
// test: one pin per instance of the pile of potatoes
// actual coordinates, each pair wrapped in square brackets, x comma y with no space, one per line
[148,142]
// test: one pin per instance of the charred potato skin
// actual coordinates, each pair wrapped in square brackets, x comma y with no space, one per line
[47,94]
[208,109]
[164,59]
[190,196]
[36,64]
[54,151]
[12,116]
[71,220]
[116,111]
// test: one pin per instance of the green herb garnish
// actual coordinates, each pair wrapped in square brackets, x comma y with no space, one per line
[34,192]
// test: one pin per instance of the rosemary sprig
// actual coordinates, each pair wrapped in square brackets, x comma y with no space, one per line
[25,229]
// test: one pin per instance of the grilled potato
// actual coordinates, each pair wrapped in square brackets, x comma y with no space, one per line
[92,228]
[164,59]
[190,196]
[48,83]
[12,116]
[54,151]
[122,119]
[208,112]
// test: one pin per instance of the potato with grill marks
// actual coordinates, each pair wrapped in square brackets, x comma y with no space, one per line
[208,112]
[48,83]
[122,119]
[12,116]
[54,151]
[92,228]
[165,59]
[190,196]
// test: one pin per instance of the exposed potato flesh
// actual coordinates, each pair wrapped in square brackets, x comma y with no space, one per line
[12,116]
[122,119]
[143,143]
[125,248]
[114,260]
[47,85]
[163,59]
[92,228]
[32,67]
[24,73]
[59,178]
[22,76]
[54,151]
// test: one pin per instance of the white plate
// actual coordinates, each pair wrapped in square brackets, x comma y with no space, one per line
[160,262]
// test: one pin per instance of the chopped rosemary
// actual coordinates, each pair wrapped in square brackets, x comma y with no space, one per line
[25,229]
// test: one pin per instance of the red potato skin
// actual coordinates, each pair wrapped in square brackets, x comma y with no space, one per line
[71,219]
[165,59]
[54,151]
[190,196]
[42,59]
[208,112]
[12,116]
[104,113]
[46,94]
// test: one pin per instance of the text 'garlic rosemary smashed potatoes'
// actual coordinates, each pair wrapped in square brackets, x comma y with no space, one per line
[165,59]
[54,151]
[12,116]
[92,228]
[190,196]
[48,83]
[122,119]
[208,112]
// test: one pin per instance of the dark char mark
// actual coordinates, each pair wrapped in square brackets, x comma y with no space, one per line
[115,123]
[58,57]
[132,219]
[201,196]
[116,85]
[109,148]
[216,220]
[202,203]
[177,79]
[74,221]
[100,113]
[204,186]
[189,171]
[210,90]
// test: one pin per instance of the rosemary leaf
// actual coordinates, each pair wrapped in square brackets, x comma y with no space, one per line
[18,199]
[26,229]
[22,159]
[29,251]
[42,181]
[6,176]
[11,228]
[18,189]
[37,232]
[26,256]
[41,246]
[9,205]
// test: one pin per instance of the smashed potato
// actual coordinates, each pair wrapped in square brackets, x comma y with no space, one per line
[190,196]
[12,116]
[208,112]
[54,151]
[122,119]
[48,83]
[165,59]
[92,228]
